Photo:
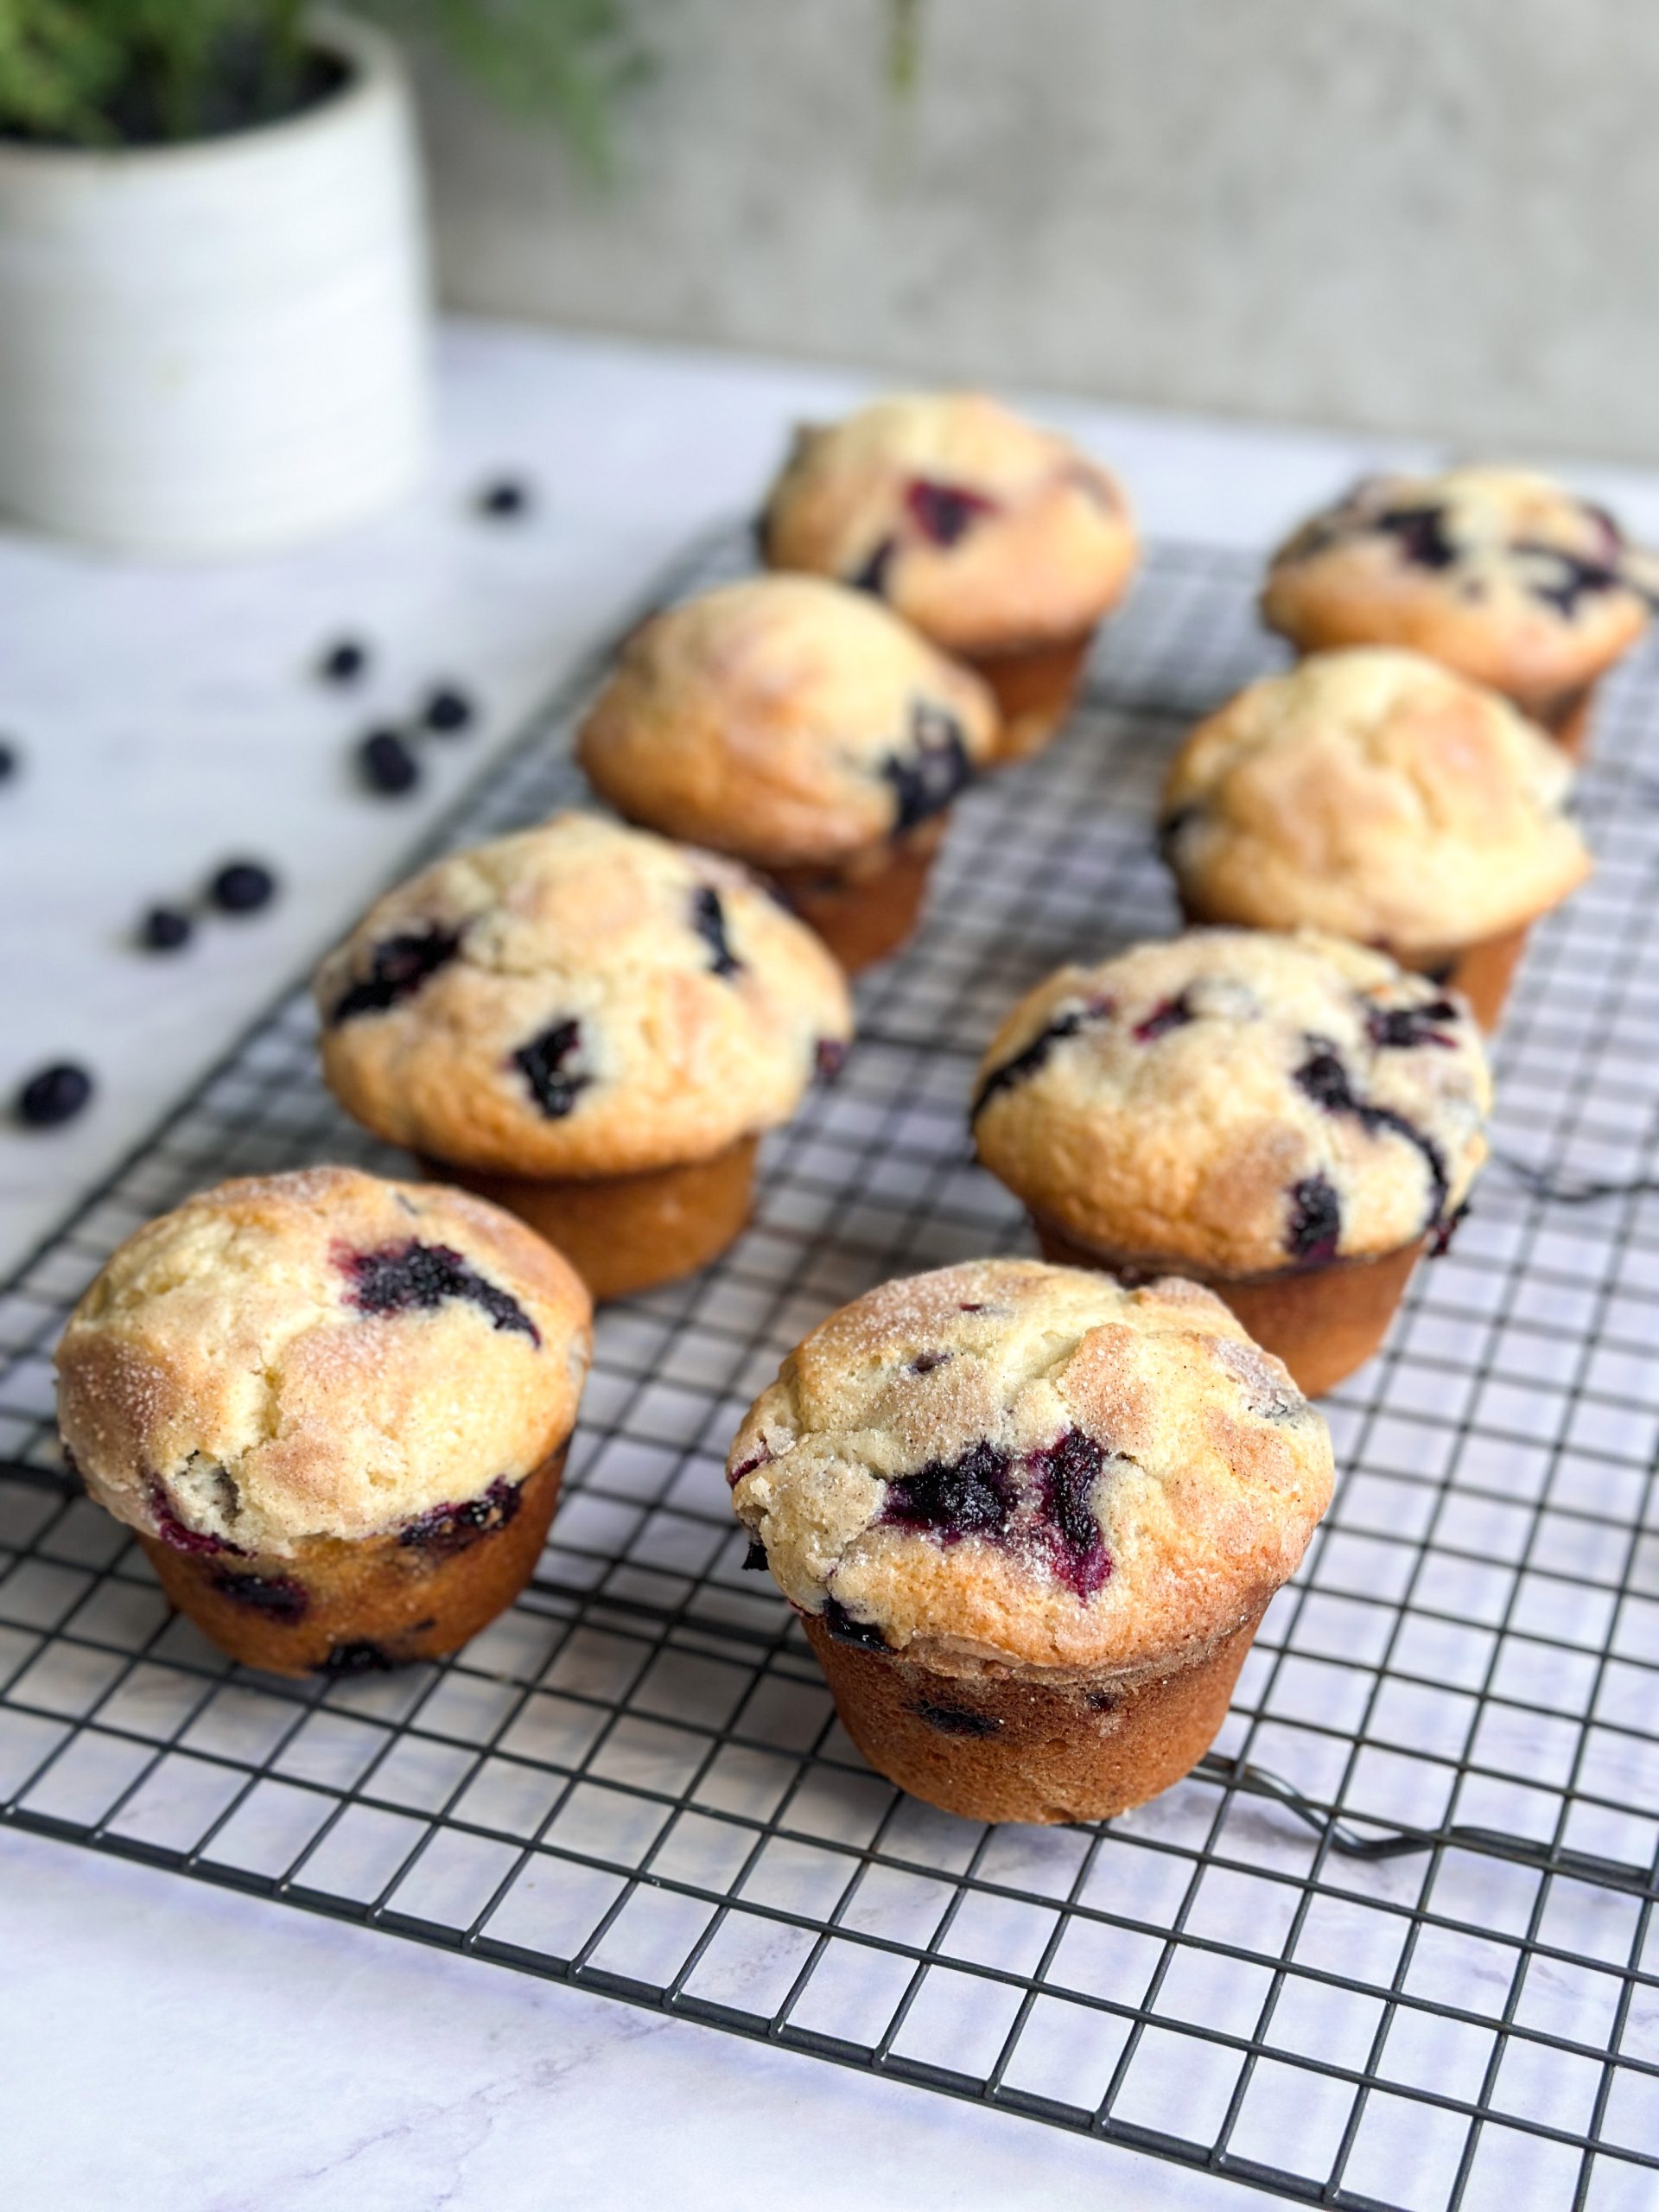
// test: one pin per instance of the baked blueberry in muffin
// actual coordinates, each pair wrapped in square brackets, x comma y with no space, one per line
[1502,574]
[802,729]
[1031,1519]
[1290,1120]
[1374,794]
[1003,543]
[334,1410]
[592,1026]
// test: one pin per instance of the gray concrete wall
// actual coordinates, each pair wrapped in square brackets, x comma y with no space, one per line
[1426,215]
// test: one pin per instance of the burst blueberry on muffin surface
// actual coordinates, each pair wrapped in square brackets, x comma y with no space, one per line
[1501,574]
[1087,1477]
[787,721]
[320,1359]
[1238,1101]
[581,1000]
[985,530]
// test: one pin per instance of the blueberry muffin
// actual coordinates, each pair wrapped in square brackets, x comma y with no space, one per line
[1030,1520]
[1003,543]
[1290,1120]
[1504,576]
[591,1026]
[334,1409]
[1374,794]
[804,729]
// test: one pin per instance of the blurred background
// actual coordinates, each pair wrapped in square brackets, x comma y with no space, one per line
[1421,219]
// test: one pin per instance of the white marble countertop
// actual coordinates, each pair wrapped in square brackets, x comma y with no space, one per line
[163,2045]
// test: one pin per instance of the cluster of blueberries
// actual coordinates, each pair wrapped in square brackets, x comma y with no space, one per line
[387,762]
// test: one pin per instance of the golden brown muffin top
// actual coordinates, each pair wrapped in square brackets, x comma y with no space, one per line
[986,531]
[318,1355]
[1374,794]
[579,999]
[1502,574]
[1008,1463]
[784,720]
[1237,1101]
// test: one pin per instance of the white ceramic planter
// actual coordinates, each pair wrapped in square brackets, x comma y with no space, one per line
[218,347]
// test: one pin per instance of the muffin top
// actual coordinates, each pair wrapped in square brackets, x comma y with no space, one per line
[785,720]
[1237,1101]
[1505,577]
[1375,794]
[319,1355]
[982,530]
[579,999]
[1005,1463]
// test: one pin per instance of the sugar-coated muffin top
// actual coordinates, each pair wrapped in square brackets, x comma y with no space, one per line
[1237,1101]
[986,531]
[579,999]
[1503,576]
[1008,1463]
[1376,795]
[785,720]
[319,1355]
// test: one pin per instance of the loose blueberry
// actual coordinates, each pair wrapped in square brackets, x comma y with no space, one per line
[829,1056]
[164,928]
[708,920]
[504,498]
[955,1719]
[1169,1014]
[944,513]
[1067,1473]
[926,778]
[415,1277]
[1315,1220]
[277,1595]
[448,1528]
[873,576]
[242,888]
[386,763]
[846,1628]
[398,968]
[446,709]
[542,1064]
[972,1496]
[56,1094]
[344,662]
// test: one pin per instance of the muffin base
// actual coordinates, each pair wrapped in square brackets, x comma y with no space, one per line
[1009,1745]
[1565,716]
[352,1608]
[624,1233]
[1482,971]
[864,906]
[1323,1321]
[1035,687]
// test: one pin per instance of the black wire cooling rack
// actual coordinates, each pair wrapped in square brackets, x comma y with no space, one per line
[1392,1944]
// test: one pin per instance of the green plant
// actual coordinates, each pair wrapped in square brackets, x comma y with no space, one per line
[106,72]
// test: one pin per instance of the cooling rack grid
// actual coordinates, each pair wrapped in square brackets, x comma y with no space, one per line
[1392,1945]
